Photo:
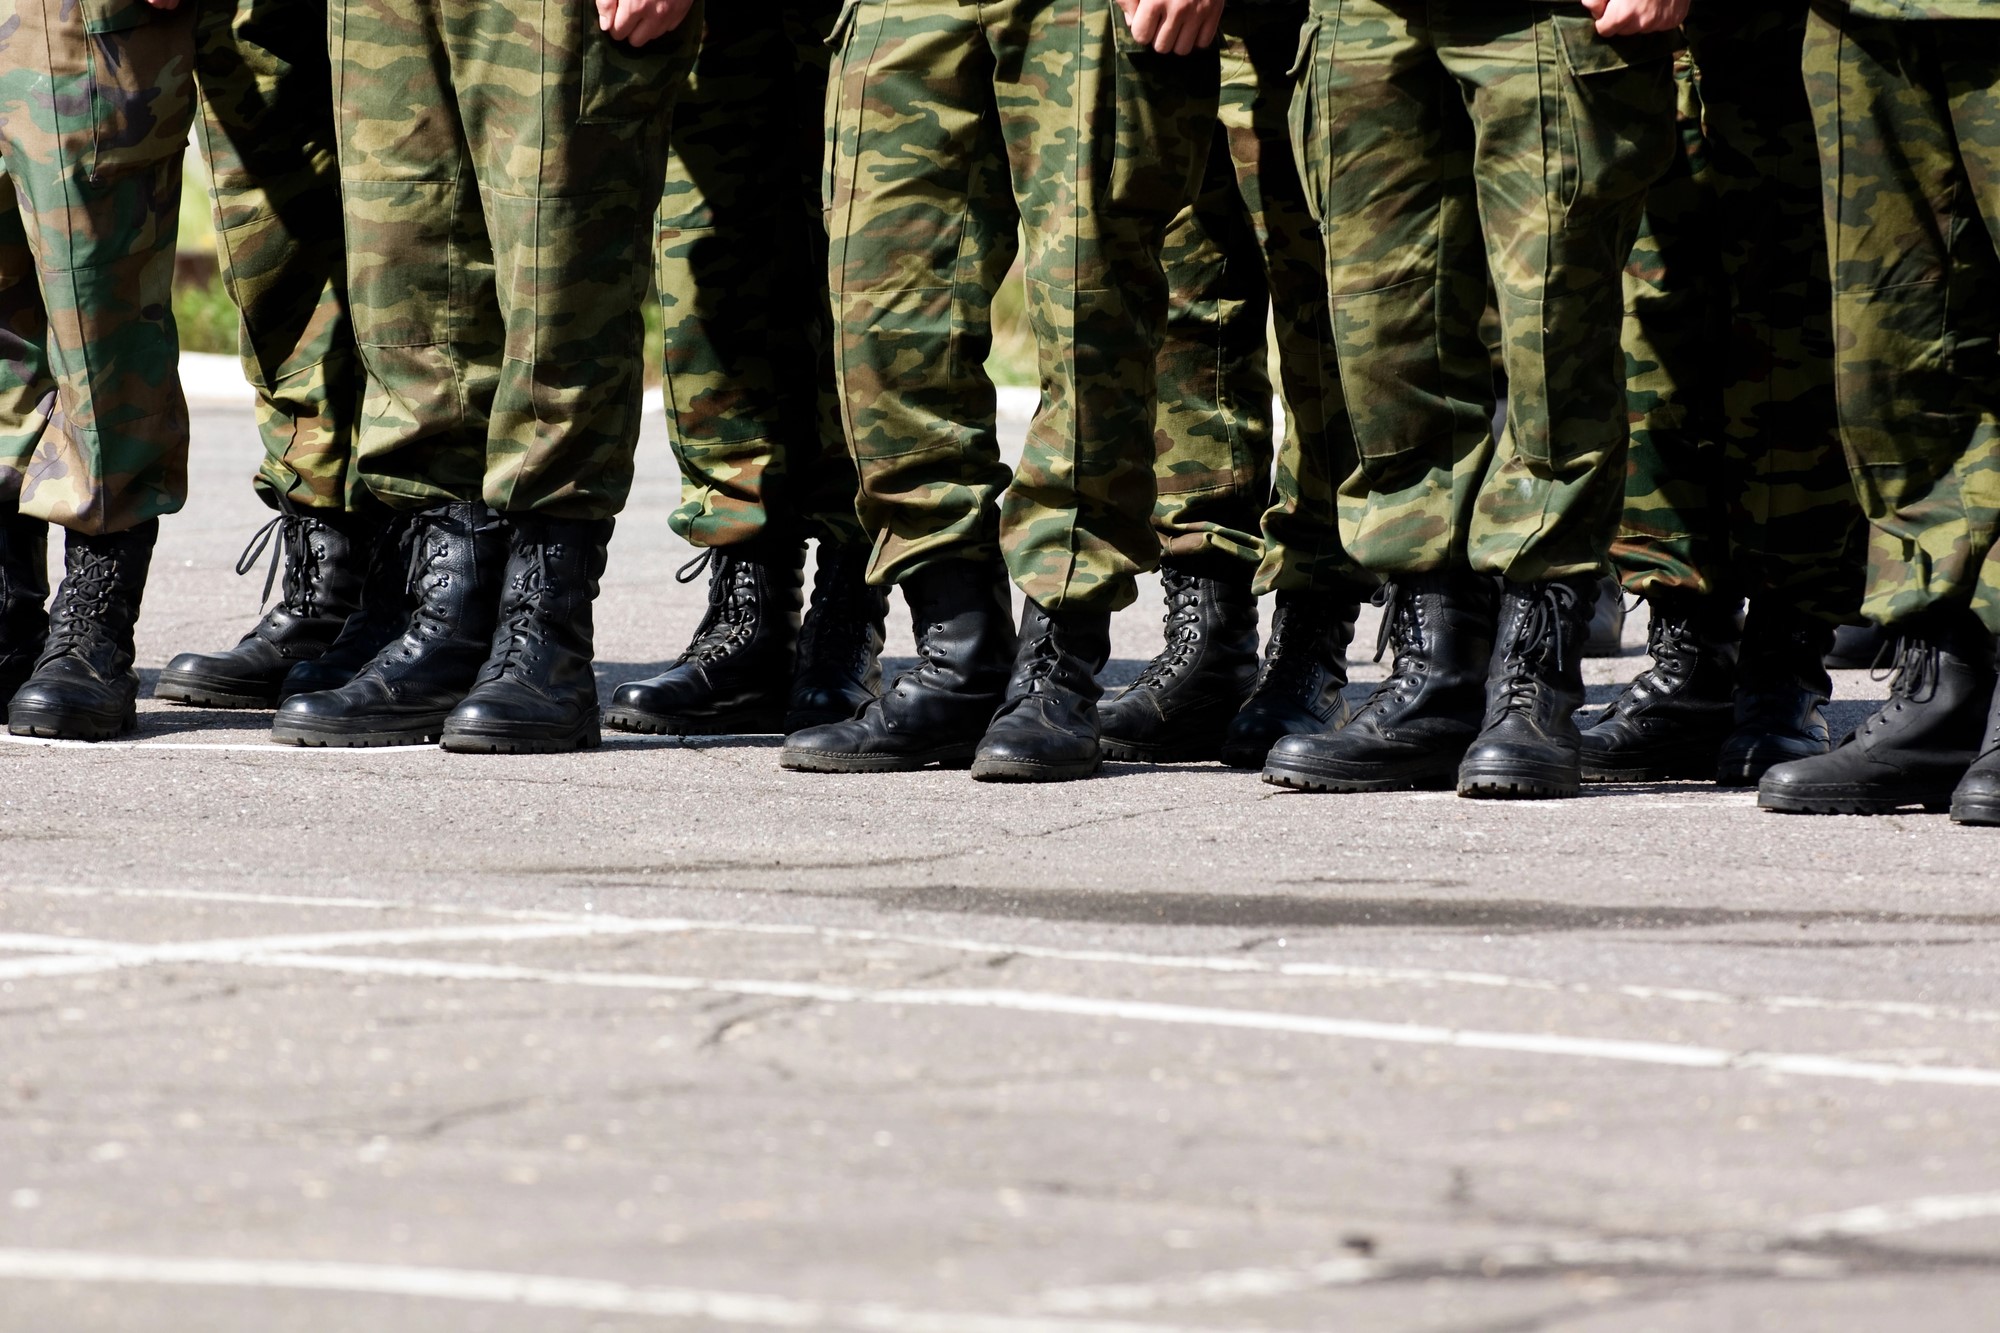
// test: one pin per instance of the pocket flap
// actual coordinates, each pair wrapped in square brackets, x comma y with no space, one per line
[1588,53]
[101,16]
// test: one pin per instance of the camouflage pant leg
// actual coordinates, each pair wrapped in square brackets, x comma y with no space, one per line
[1571,129]
[1908,115]
[498,231]
[945,130]
[742,274]
[267,132]
[93,125]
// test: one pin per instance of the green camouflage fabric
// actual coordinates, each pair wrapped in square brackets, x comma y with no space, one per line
[950,126]
[1441,142]
[1243,261]
[500,169]
[96,97]
[1908,116]
[751,400]
[267,131]
[1736,483]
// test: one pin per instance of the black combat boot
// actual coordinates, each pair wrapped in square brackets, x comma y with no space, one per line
[1606,636]
[840,645]
[1976,800]
[1857,648]
[1781,684]
[1917,746]
[1180,707]
[1046,729]
[1298,693]
[404,693]
[537,693]
[1528,746]
[735,677]
[24,595]
[83,687]
[381,617]
[325,555]
[935,712]
[1416,725]
[1671,721]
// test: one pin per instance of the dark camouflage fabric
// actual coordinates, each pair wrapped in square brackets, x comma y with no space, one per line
[1736,483]
[96,97]
[1908,116]
[950,127]
[267,132]
[500,169]
[751,402]
[1441,142]
[1244,262]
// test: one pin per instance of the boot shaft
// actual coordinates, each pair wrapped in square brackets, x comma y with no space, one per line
[326,557]
[1061,652]
[755,591]
[96,607]
[456,555]
[1785,650]
[1537,664]
[1210,626]
[962,616]
[847,622]
[24,583]
[551,580]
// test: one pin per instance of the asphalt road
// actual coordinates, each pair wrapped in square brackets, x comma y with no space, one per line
[662,1037]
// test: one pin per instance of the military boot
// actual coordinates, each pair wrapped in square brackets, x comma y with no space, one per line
[380,618]
[936,712]
[1528,746]
[1046,729]
[24,595]
[83,687]
[1857,648]
[1780,686]
[1671,721]
[1606,636]
[735,676]
[840,645]
[324,556]
[1180,707]
[1415,727]
[537,693]
[405,692]
[1917,746]
[1298,692]
[1976,799]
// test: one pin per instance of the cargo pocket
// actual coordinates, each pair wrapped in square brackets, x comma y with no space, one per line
[1614,129]
[1163,110]
[1303,80]
[141,72]
[622,83]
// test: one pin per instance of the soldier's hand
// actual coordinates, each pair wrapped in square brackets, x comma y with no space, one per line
[1173,27]
[1629,18]
[164,4]
[640,21]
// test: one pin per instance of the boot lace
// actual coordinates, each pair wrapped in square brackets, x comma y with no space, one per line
[1670,642]
[1912,680]
[1183,629]
[1538,639]
[827,635]
[523,603]
[90,583]
[1402,629]
[732,606]
[293,548]
[1289,660]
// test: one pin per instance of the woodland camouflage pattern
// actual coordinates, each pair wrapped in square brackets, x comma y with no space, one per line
[1908,116]
[500,322]
[95,103]
[267,132]
[1737,484]
[1245,251]
[751,402]
[949,125]
[1389,95]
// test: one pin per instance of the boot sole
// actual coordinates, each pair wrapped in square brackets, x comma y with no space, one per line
[54,726]
[723,724]
[816,761]
[1015,770]
[1306,780]
[1983,813]
[1837,802]
[426,733]
[1129,752]
[207,694]
[460,741]
[1519,782]
[1689,771]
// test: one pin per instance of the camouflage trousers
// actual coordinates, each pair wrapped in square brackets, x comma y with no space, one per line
[751,401]
[950,126]
[1243,259]
[1908,115]
[500,169]
[1736,483]
[1441,140]
[268,134]
[96,97]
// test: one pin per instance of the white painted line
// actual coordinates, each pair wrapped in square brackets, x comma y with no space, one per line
[1889,1218]
[1668,1054]
[1359,973]
[537,1291]
[221,747]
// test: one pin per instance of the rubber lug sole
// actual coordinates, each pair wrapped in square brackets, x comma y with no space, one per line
[423,732]
[742,722]
[1697,768]
[48,724]
[1299,779]
[208,694]
[462,741]
[1851,802]
[1981,811]
[1181,752]
[1020,770]
[817,761]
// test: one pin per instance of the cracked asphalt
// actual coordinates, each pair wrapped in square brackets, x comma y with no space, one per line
[663,1037]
